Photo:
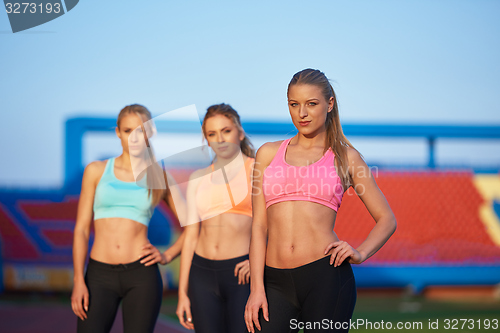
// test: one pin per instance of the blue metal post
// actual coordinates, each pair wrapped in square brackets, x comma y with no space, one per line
[432,161]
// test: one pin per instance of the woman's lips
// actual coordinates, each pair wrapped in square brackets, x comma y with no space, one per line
[304,123]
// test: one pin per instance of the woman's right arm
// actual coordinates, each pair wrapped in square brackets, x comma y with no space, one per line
[258,244]
[191,234]
[177,204]
[80,295]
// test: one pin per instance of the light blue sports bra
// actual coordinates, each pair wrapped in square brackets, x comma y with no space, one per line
[116,198]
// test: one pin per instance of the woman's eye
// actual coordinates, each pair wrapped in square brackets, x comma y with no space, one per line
[313,103]
[227,131]
[127,131]
[211,134]
[293,104]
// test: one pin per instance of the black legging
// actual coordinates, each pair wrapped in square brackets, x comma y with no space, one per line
[314,297]
[139,287]
[217,300]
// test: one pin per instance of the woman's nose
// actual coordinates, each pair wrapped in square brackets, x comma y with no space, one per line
[134,136]
[220,138]
[303,111]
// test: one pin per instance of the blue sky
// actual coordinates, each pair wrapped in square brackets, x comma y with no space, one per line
[390,62]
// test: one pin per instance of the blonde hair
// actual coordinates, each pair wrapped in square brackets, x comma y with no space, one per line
[227,111]
[335,137]
[156,176]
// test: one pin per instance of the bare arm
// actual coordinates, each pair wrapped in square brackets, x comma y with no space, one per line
[376,204]
[178,205]
[175,200]
[190,241]
[79,296]
[191,234]
[378,207]
[175,249]
[258,243]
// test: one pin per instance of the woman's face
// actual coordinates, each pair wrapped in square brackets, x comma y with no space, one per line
[308,108]
[131,134]
[223,136]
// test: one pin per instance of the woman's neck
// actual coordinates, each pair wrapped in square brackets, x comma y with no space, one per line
[124,161]
[316,140]
[134,164]
[223,162]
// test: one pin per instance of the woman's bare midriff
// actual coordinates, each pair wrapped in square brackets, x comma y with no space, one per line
[118,240]
[298,233]
[224,236]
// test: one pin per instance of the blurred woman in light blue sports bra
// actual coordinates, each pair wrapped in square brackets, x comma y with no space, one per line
[123,265]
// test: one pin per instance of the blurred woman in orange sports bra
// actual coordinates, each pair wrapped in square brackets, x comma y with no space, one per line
[214,272]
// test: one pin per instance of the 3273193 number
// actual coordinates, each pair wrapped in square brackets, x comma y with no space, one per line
[33,8]
[461,324]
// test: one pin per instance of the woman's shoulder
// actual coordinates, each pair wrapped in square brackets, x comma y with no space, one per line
[266,153]
[269,149]
[197,176]
[94,170]
[353,156]
[249,160]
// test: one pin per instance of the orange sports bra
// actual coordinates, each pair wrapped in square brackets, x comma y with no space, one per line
[233,196]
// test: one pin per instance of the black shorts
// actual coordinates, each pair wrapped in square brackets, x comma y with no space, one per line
[217,300]
[317,297]
[138,287]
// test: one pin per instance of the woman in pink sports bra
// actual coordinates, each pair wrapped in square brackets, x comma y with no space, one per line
[214,272]
[301,277]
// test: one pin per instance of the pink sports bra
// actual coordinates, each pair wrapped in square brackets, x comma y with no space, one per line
[317,182]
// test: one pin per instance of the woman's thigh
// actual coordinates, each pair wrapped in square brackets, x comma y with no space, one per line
[104,298]
[329,303]
[282,302]
[207,304]
[235,299]
[143,289]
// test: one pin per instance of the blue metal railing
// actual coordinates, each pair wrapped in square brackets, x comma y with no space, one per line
[77,127]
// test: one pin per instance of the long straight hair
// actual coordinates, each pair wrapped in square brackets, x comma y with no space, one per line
[227,111]
[335,138]
[156,177]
